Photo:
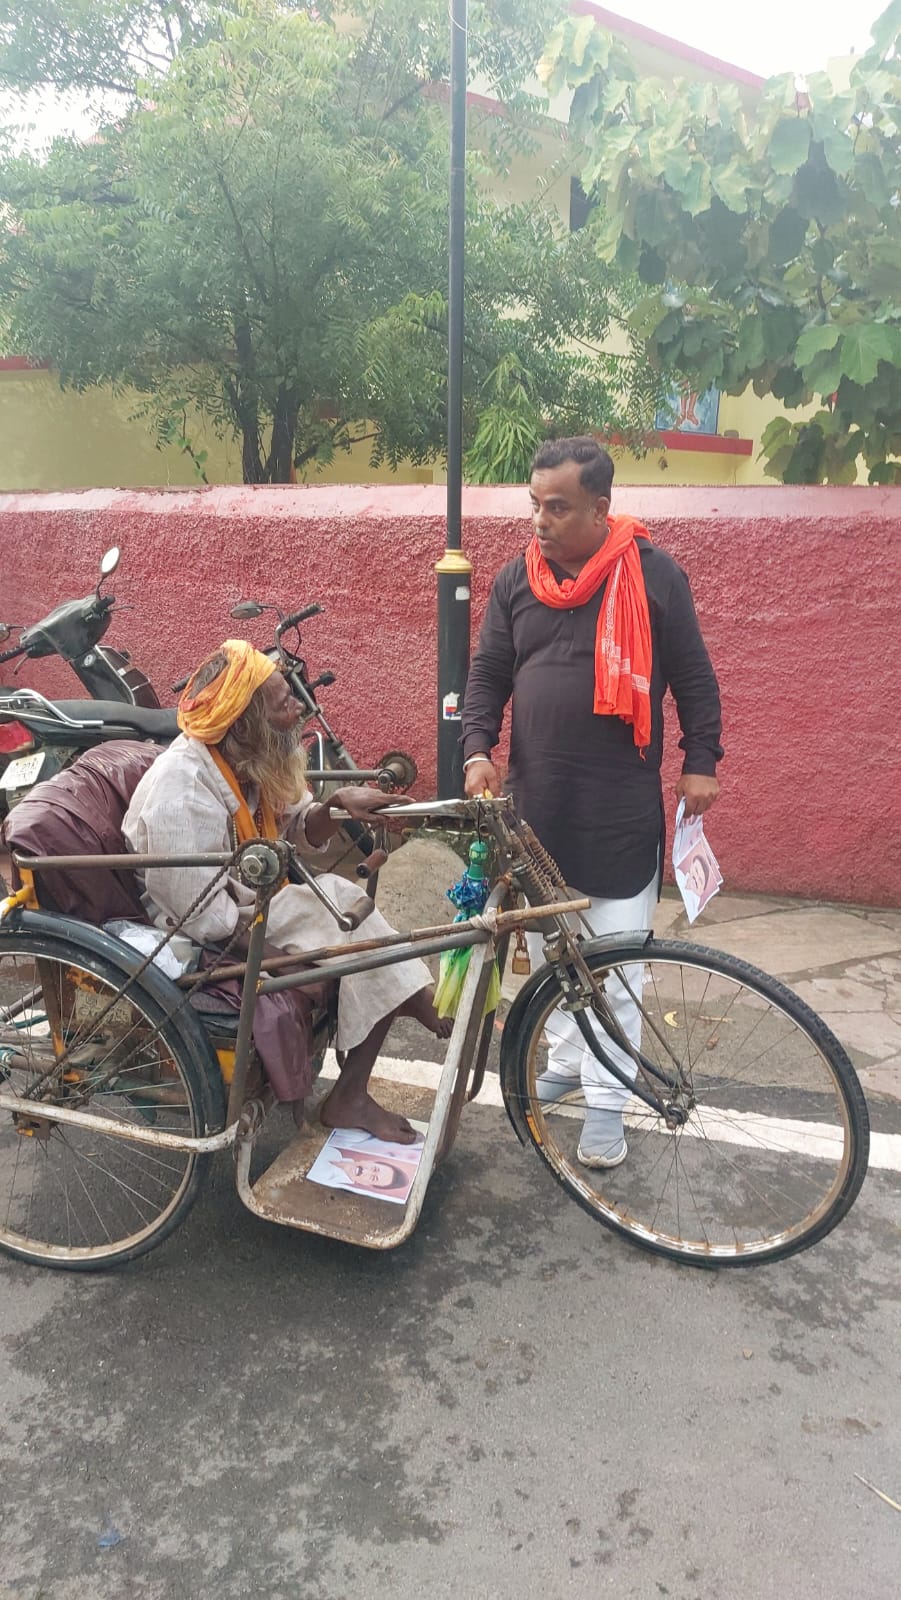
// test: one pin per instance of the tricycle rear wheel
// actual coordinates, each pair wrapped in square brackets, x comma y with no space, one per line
[74,1198]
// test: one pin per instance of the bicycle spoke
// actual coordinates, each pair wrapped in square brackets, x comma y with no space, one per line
[70,1194]
[753,1152]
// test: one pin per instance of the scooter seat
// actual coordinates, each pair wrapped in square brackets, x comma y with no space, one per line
[151,723]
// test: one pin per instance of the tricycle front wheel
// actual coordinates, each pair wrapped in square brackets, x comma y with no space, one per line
[763,1145]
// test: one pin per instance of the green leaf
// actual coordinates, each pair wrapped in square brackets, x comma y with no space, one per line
[654,216]
[697,189]
[780,328]
[732,183]
[886,28]
[751,348]
[869,173]
[863,347]
[775,434]
[788,232]
[551,56]
[824,373]
[837,148]
[822,256]
[677,166]
[789,145]
[824,336]
[885,472]
[606,236]
[581,34]
[820,195]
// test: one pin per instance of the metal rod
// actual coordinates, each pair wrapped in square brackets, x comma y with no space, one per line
[456,259]
[440,935]
[121,863]
[44,1111]
[367,963]
[341,775]
[454,571]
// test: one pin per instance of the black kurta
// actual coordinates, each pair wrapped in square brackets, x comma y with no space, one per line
[576,777]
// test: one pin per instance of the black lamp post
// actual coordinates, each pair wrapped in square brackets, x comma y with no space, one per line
[454,570]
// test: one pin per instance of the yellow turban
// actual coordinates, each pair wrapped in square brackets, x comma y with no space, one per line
[209,714]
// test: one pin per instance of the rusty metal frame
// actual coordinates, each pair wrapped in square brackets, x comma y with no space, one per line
[330,962]
[454,1071]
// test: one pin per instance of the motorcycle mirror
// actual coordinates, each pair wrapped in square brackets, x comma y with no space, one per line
[109,561]
[5,631]
[245,609]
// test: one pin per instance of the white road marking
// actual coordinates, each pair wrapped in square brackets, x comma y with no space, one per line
[729,1127]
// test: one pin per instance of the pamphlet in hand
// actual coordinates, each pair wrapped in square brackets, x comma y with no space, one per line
[694,864]
[354,1160]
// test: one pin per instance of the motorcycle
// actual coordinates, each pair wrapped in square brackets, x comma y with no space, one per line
[39,737]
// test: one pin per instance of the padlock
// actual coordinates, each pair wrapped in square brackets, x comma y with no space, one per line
[521,965]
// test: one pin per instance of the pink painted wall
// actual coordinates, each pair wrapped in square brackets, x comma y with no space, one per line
[797,591]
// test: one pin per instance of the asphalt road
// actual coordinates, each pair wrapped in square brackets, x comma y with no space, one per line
[515,1404]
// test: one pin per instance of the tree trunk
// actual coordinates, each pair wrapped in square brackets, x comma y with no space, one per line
[245,405]
[251,461]
[280,464]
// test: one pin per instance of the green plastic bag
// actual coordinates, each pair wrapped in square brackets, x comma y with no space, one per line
[451,977]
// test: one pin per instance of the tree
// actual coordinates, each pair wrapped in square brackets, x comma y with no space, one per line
[768,235]
[260,237]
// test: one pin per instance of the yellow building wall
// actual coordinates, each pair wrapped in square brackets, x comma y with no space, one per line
[52,438]
[55,439]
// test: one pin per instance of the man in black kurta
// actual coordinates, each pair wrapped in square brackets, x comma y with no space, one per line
[593,796]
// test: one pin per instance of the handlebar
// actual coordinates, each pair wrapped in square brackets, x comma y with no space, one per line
[10,655]
[292,620]
[295,618]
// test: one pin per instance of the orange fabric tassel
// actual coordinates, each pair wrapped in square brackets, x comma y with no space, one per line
[245,826]
[622,660]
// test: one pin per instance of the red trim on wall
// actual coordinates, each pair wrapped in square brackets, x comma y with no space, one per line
[22,364]
[662,41]
[710,443]
[475,102]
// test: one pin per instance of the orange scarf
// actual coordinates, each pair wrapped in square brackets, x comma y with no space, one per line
[622,660]
[245,826]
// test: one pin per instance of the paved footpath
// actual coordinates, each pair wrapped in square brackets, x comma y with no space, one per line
[845,961]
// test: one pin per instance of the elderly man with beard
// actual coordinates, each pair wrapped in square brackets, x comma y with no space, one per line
[236,772]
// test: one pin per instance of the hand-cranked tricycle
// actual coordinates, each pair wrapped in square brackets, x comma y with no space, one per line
[747,1127]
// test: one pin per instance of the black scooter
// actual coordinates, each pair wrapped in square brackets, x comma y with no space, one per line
[39,736]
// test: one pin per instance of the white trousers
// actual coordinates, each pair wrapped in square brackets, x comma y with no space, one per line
[568,1054]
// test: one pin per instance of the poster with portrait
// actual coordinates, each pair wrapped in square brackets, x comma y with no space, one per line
[694,864]
[688,410]
[355,1161]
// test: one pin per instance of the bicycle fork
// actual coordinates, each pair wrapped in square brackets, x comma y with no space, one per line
[583,992]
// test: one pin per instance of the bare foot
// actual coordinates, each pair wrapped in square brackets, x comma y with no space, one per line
[422,1008]
[359,1110]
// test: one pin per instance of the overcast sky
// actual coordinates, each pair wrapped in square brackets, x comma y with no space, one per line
[767,37]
